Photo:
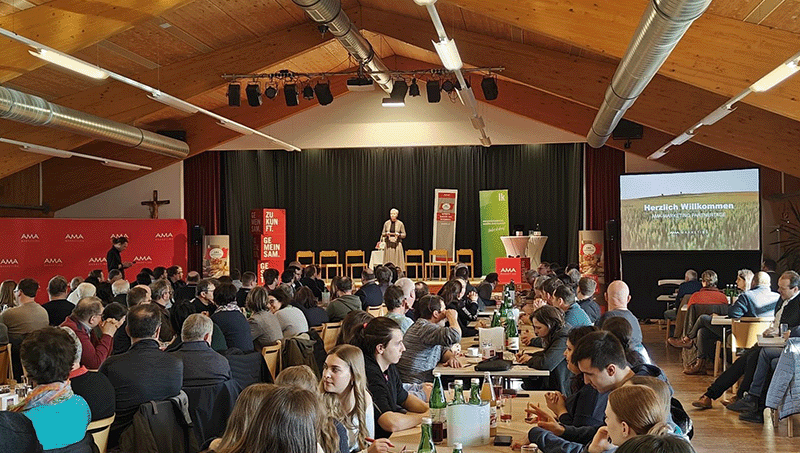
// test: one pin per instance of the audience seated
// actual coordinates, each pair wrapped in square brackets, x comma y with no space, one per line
[175,277]
[428,341]
[230,318]
[161,296]
[204,297]
[18,434]
[137,295]
[346,301]
[120,290]
[381,341]
[485,289]
[617,298]
[59,416]
[291,319]
[655,443]
[7,297]
[58,308]
[248,282]
[350,323]
[27,316]
[564,298]
[370,294]
[84,289]
[465,305]
[264,326]
[621,328]
[92,386]
[86,316]
[305,300]
[395,301]
[757,302]
[242,416]
[271,279]
[188,291]
[383,276]
[312,281]
[709,294]
[549,325]
[201,364]
[177,316]
[586,289]
[143,373]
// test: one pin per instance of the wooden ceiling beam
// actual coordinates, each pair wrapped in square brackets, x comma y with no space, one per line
[666,105]
[69,26]
[719,54]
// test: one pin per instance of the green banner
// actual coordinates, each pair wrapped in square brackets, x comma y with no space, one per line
[494,224]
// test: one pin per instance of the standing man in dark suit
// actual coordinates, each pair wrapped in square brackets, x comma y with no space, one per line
[144,373]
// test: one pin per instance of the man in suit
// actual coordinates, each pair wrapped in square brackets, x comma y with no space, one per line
[312,281]
[369,293]
[144,373]
[201,364]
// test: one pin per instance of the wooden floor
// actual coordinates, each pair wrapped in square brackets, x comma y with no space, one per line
[716,429]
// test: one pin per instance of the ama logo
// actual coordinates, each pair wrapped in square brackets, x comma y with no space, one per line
[29,237]
[73,237]
[97,260]
[164,236]
[143,259]
[9,262]
[118,235]
[507,270]
[52,261]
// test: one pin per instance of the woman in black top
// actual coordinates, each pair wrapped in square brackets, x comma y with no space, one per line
[114,258]
[305,300]
[549,325]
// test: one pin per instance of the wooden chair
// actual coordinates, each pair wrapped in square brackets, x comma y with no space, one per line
[745,331]
[357,262]
[99,430]
[376,311]
[327,265]
[462,253]
[6,370]
[317,329]
[329,334]
[437,258]
[272,356]
[418,264]
[307,255]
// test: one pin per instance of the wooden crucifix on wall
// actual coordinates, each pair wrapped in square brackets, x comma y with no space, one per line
[154,204]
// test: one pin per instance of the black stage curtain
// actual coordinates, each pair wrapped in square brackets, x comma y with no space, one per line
[338,199]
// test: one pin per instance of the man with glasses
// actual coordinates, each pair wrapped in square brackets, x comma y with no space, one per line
[86,315]
[204,300]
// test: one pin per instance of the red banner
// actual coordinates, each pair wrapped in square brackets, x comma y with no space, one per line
[43,248]
[268,227]
[511,269]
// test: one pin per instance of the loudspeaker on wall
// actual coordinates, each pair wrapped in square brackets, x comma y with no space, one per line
[197,234]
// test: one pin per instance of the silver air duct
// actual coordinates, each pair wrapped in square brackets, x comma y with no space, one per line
[330,14]
[663,24]
[28,109]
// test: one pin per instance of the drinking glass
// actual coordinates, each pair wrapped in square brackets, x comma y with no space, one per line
[506,414]
[497,385]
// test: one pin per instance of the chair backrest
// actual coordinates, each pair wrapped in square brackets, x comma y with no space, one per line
[329,334]
[465,252]
[353,254]
[6,371]
[306,255]
[329,254]
[375,311]
[272,357]
[744,334]
[99,430]
[438,256]
[415,253]
[317,329]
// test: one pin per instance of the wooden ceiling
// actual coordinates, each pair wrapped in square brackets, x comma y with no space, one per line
[559,57]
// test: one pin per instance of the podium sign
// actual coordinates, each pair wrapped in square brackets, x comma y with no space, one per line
[494,225]
[217,256]
[444,220]
[511,269]
[268,227]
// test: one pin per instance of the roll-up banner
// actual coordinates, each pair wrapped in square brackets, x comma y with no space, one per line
[590,257]
[494,224]
[444,220]
[217,256]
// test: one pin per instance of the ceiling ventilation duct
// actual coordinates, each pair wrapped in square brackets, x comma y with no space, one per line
[330,14]
[663,24]
[29,109]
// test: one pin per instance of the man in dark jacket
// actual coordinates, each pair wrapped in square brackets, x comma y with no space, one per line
[144,373]
[369,293]
[248,282]
[59,307]
[345,301]
[201,364]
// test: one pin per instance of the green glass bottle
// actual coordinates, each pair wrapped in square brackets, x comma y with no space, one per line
[512,335]
[426,439]
[438,406]
[475,392]
[457,448]
[496,317]
[458,392]
[512,293]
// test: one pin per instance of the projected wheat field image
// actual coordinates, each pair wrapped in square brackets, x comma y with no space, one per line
[686,222]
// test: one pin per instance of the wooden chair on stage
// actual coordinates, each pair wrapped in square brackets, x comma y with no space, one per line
[329,334]
[272,357]
[437,258]
[418,264]
[470,261]
[354,259]
[329,259]
[306,257]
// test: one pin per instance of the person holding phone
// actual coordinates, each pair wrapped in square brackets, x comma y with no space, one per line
[114,256]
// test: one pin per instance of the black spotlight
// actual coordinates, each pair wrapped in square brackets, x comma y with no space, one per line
[489,87]
[290,92]
[253,92]
[270,92]
[323,92]
[308,93]
[448,86]
[234,95]
[413,90]
[434,91]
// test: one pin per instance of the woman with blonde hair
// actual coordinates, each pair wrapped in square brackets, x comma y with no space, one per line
[7,294]
[242,416]
[344,390]
[632,410]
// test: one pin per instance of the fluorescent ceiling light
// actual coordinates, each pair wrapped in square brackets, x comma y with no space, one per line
[67,62]
[236,127]
[172,101]
[424,2]
[486,141]
[124,165]
[393,102]
[717,115]
[448,53]
[661,152]
[477,122]
[681,139]
[775,76]
[283,144]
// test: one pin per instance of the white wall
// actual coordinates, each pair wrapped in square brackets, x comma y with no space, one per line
[125,201]
[358,120]
[638,164]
